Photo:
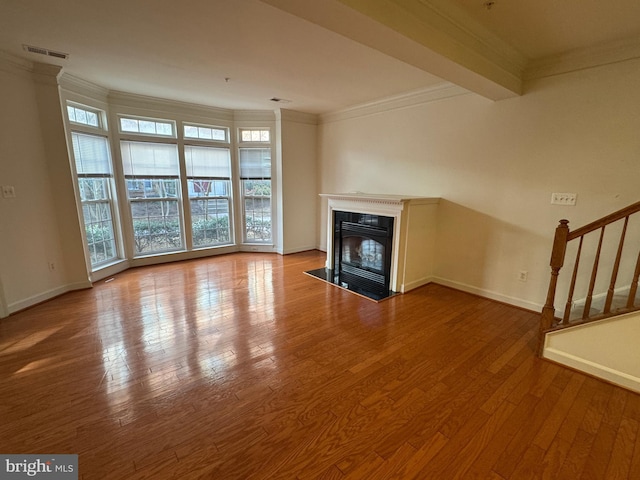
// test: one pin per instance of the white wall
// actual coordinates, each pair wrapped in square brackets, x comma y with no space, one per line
[298,180]
[29,229]
[607,349]
[40,226]
[495,164]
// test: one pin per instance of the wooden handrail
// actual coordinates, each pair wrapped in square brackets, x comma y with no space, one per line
[614,217]
[563,235]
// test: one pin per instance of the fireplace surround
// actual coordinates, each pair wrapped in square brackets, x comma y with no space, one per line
[366,229]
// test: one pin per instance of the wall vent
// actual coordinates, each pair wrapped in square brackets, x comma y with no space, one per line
[45,51]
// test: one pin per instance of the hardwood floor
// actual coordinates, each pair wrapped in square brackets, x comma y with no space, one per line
[242,367]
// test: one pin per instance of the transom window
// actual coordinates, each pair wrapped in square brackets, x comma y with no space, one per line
[255,135]
[201,132]
[147,126]
[83,116]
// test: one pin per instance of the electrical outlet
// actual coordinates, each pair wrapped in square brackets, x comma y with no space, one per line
[522,276]
[563,198]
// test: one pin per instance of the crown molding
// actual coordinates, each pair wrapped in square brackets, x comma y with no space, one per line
[406,100]
[254,115]
[46,74]
[435,36]
[581,59]
[295,116]
[83,87]
[12,64]
[458,25]
[153,104]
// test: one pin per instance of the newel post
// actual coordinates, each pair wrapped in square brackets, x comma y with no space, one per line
[557,260]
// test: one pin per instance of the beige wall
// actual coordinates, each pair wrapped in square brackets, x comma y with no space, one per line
[605,349]
[41,226]
[495,164]
[30,232]
[298,181]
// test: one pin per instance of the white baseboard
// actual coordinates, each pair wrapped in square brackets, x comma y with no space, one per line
[48,295]
[597,370]
[289,251]
[407,287]
[518,302]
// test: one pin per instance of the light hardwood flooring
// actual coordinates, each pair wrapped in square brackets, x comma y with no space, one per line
[242,367]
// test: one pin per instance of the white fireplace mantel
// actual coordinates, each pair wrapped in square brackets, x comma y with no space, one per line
[414,232]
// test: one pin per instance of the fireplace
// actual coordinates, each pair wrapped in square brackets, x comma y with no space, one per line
[363,247]
[379,245]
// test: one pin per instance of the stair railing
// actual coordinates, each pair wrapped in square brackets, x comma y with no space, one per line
[563,235]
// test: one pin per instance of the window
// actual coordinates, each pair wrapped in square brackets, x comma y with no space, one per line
[152,175]
[199,132]
[147,127]
[254,135]
[255,181]
[83,116]
[209,184]
[95,180]
[95,183]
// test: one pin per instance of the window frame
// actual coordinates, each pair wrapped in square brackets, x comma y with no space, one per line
[100,114]
[101,131]
[138,118]
[188,140]
[197,143]
[251,144]
[143,139]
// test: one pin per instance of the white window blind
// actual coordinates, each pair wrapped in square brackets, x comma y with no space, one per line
[91,154]
[149,159]
[255,163]
[207,162]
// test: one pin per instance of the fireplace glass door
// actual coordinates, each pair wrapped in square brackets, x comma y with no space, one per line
[362,248]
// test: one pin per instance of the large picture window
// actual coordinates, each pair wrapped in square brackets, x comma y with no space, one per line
[209,183]
[255,180]
[94,174]
[152,175]
[182,185]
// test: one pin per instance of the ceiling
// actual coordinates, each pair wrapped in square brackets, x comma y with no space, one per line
[318,55]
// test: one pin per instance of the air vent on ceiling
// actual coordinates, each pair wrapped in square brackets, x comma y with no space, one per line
[280,100]
[45,51]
